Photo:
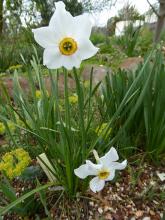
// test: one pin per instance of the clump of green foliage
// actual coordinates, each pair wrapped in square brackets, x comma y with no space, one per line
[140,125]
[98,38]
[13,48]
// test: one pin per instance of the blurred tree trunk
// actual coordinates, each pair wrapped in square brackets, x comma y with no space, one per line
[160,22]
[1,17]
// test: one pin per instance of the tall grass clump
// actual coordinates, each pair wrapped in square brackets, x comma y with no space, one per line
[140,124]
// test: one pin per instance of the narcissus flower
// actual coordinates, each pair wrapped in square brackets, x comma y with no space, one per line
[66,39]
[104,170]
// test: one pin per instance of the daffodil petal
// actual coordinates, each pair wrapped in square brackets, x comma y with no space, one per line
[96,184]
[45,37]
[82,172]
[119,166]
[86,49]
[61,20]
[111,175]
[109,157]
[88,169]
[71,61]
[83,26]
[52,58]
[94,167]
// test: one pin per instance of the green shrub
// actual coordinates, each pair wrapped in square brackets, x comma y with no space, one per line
[113,54]
[145,41]
[13,47]
[98,38]
[8,57]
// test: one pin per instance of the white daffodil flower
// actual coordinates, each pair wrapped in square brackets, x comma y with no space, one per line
[104,170]
[66,39]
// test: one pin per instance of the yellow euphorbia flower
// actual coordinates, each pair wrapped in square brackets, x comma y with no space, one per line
[86,83]
[18,66]
[2,128]
[73,99]
[14,163]
[100,130]
[11,126]
[39,94]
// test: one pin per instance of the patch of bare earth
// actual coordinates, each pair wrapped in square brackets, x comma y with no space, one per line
[137,194]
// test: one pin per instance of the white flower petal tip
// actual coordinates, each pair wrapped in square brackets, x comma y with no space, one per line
[110,157]
[96,184]
[81,172]
[66,39]
[119,166]
[60,5]
[161,176]
[124,164]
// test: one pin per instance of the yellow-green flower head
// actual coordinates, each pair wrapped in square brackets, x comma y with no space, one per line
[11,126]
[100,130]
[73,99]
[2,128]
[39,94]
[19,121]
[18,66]
[61,108]
[14,163]
[86,83]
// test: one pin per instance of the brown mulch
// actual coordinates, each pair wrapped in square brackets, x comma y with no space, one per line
[128,198]
[137,194]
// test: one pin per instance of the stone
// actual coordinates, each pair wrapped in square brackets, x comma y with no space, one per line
[152,212]
[100,210]
[108,216]
[99,73]
[9,85]
[146,218]
[71,84]
[131,63]
[91,203]
[24,84]
[139,213]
